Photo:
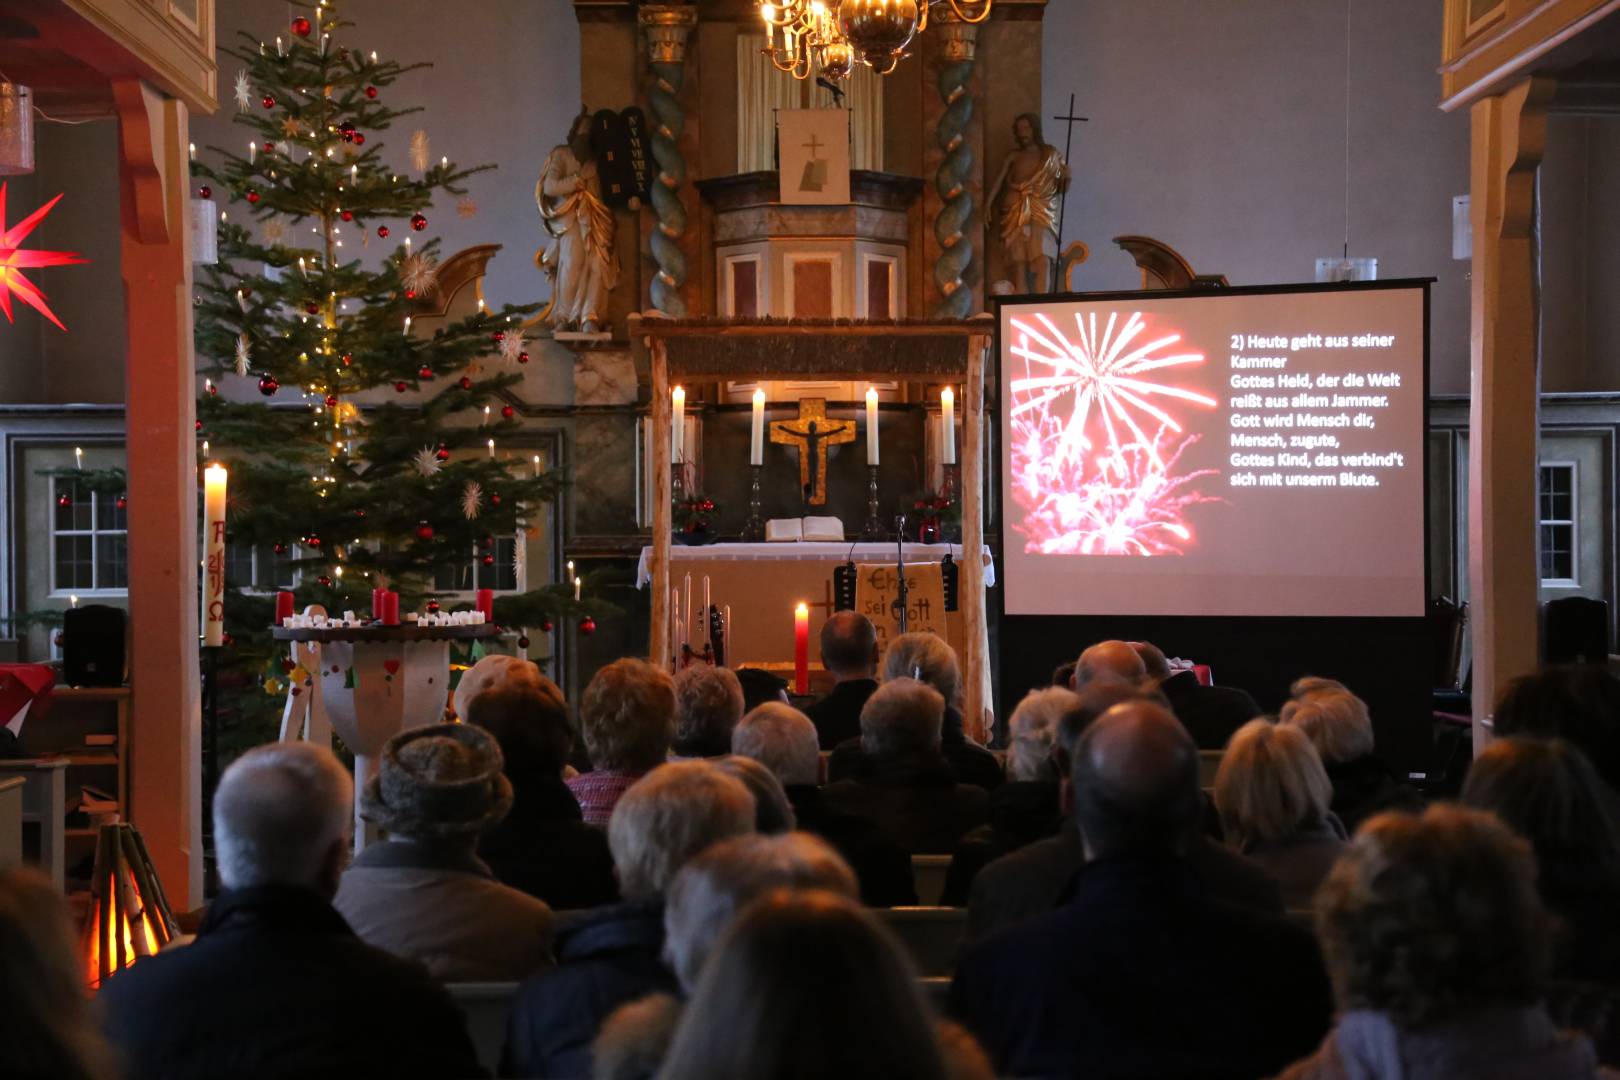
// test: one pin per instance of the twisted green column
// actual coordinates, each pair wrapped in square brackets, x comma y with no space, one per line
[667,27]
[954,172]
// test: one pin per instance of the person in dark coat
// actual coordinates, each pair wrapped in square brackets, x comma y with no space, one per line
[907,788]
[614,955]
[1142,973]
[927,658]
[1580,703]
[276,984]
[849,652]
[543,847]
[782,739]
[1209,713]
[1339,726]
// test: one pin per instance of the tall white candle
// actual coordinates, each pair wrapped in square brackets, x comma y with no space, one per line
[686,607]
[871,426]
[947,416]
[677,431]
[253,151]
[756,443]
[675,620]
[537,465]
[213,603]
[703,616]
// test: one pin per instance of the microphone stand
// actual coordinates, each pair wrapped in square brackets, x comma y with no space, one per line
[900,601]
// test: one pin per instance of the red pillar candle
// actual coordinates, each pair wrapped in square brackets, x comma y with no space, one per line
[801,649]
[377,603]
[284,607]
[390,616]
[485,602]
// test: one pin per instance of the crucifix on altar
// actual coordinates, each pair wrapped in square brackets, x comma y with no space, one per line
[812,433]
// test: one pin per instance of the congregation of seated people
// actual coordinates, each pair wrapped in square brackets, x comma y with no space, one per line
[689,877]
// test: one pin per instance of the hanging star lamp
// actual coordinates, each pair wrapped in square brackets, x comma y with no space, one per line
[14,260]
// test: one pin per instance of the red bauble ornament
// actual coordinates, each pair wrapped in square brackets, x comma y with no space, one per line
[382,231]
[346,215]
[205,192]
[300,26]
[359,139]
[432,607]
[424,373]
[494,498]
[546,626]
[267,101]
[226,639]
[489,560]
[466,383]
[371,92]
[400,387]
[279,548]
[523,358]
[348,358]
[287,665]
[199,425]
[360,511]
[64,501]
[424,531]
[508,412]
[418,222]
[523,642]
[498,336]
[212,390]
[410,294]
[313,541]
[331,401]
[252,196]
[486,541]
[587,625]
[325,581]
[346,130]
[313,308]
[268,385]
[442,453]
[122,502]
[269,147]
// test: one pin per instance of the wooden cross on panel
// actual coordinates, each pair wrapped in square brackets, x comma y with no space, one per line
[812,433]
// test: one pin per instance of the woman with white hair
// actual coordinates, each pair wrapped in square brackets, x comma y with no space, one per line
[1339,726]
[928,659]
[1272,795]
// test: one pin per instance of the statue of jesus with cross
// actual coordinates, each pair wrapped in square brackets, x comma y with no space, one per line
[812,433]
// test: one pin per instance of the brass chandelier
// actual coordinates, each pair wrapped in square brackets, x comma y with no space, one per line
[828,36]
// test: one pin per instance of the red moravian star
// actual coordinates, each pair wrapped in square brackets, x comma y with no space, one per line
[14,260]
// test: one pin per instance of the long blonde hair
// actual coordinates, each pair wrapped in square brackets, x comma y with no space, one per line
[50,1028]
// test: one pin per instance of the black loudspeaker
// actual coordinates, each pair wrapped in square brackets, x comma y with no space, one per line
[1575,630]
[93,646]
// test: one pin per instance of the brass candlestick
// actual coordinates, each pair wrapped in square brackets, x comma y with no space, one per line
[754,529]
[873,529]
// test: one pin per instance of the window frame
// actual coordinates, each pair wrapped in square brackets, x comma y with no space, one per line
[1572,523]
[476,560]
[94,532]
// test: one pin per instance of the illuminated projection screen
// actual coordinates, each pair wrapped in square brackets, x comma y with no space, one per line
[1234,452]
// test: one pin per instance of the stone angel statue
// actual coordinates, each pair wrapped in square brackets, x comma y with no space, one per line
[579,259]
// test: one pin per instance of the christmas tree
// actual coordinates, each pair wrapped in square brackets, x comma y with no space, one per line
[329,479]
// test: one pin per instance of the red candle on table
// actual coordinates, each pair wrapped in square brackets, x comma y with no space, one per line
[486,603]
[390,616]
[801,649]
[377,603]
[284,607]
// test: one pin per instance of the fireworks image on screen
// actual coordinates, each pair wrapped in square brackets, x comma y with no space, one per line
[1094,444]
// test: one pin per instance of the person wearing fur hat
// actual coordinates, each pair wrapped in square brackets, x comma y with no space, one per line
[423,893]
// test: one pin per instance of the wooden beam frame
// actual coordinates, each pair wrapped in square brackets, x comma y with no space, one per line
[772,355]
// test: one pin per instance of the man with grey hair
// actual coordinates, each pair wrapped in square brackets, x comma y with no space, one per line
[272,948]
[1108,660]
[613,955]
[783,739]
[907,787]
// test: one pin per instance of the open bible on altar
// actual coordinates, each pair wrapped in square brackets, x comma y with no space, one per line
[785,530]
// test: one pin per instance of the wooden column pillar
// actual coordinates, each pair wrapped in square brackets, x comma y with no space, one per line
[165,760]
[663,517]
[972,571]
[1509,139]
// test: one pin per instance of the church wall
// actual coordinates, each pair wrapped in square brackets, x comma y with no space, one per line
[1580,226]
[1220,130]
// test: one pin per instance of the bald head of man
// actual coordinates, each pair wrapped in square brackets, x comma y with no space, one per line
[1135,783]
[849,646]
[1115,660]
